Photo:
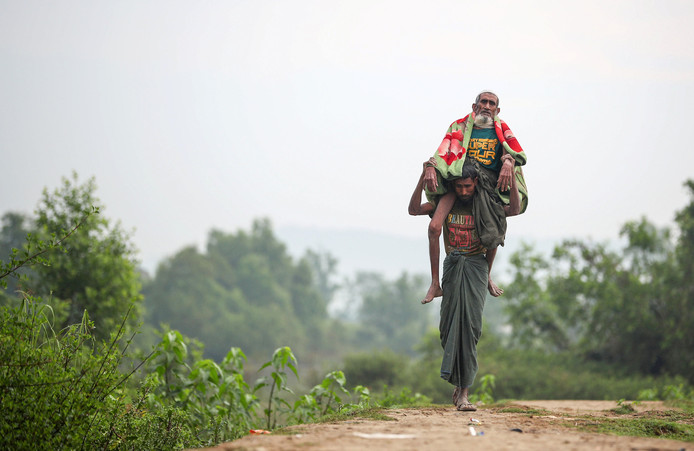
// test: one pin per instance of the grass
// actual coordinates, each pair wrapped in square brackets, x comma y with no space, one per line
[623,409]
[686,405]
[370,413]
[669,424]
[361,413]
[508,406]
[524,410]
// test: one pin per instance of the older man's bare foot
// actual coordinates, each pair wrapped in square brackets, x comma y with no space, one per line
[434,292]
[493,289]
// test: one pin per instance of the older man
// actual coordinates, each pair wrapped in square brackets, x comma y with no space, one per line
[466,272]
[485,141]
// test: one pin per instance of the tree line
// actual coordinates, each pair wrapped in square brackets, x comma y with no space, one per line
[615,309]
[630,305]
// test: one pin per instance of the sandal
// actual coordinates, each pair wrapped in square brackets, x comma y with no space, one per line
[466,407]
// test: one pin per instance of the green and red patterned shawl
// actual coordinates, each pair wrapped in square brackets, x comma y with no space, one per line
[450,156]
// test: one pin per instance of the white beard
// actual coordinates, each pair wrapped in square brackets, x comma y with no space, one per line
[483,121]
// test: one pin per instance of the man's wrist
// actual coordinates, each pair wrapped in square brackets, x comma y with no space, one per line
[508,159]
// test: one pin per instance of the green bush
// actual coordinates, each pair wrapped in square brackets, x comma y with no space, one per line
[524,374]
[376,369]
[64,390]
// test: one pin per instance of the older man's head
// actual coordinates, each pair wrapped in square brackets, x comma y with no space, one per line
[486,106]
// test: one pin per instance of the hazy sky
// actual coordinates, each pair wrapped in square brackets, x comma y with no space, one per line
[194,115]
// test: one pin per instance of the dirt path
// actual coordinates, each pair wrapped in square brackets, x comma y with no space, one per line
[445,428]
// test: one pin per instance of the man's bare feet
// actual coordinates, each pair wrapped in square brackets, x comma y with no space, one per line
[457,392]
[434,292]
[493,289]
[460,400]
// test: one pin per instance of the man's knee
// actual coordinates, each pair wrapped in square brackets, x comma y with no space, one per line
[434,229]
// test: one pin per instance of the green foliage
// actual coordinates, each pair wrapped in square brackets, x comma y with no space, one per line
[356,412]
[484,391]
[12,238]
[403,398]
[97,270]
[648,425]
[324,267]
[633,307]
[647,394]
[674,392]
[64,390]
[423,373]
[330,390]
[282,359]
[93,270]
[243,286]
[222,406]
[507,373]
[319,401]
[134,426]
[624,407]
[375,369]
[218,401]
[523,374]
[390,313]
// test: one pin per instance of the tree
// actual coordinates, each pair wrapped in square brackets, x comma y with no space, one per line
[15,227]
[633,307]
[324,267]
[590,300]
[96,270]
[244,291]
[679,344]
[391,313]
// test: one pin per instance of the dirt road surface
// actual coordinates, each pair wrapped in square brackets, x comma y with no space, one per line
[444,428]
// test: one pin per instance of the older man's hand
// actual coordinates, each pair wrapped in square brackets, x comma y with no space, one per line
[504,181]
[431,182]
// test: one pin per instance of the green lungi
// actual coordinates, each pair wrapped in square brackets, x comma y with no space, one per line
[464,286]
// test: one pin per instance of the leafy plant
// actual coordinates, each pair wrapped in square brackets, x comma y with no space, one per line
[282,358]
[57,389]
[330,390]
[624,407]
[648,394]
[219,403]
[34,249]
[483,393]
[404,398]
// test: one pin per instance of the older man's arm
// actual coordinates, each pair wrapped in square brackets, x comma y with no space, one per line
[514,206]
[506,172]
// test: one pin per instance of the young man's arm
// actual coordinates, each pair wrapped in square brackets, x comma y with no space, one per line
[512,209]
[491,286]
[416,207]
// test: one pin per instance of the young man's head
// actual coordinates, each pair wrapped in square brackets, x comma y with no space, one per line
[464,187]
